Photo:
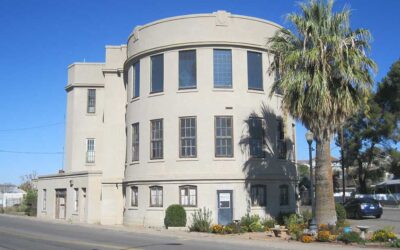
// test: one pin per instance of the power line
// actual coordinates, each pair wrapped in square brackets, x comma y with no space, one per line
[30,152]
[29,128]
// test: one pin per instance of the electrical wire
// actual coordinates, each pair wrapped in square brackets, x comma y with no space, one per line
[30,152]
[29,128]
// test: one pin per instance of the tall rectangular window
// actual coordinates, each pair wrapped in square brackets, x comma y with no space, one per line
[281,145]
[76,199]
[156,145]
[256,137]
[135,142]
[90,150]
[44,205]
[136,80]
[91,101]
[254,70]
[188,137]
[222,68]
[156,196]
[188,196]
[284,195]
[258,195]
[134,196]
[223,136]
[157,73]
[187,69]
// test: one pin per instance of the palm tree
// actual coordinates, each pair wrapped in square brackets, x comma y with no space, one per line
[325,74]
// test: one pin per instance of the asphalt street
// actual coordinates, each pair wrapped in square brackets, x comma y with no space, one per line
[390,218]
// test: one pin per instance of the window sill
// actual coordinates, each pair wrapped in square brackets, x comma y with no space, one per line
[222,90]
[156,161]
[135,99]
[187,90]
[155,94]
[256,91]
[134,163]
[90,164]
[224,159]
[155,209]
[133,208]
[75,213]
[278,95]
[90,114]
[188,159]
[44,212]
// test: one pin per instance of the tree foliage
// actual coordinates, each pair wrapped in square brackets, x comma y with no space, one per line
[324,72]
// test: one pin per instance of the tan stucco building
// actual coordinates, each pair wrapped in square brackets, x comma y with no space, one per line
[180,115]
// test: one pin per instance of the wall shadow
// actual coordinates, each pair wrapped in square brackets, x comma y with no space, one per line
[269,168]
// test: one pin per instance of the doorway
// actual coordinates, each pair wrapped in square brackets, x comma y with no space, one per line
[225,207]
[61,204]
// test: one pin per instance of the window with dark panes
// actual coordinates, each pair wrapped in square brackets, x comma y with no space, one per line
[136,80]
[188,196]
[284,195]
[156,145]
[256,137]
[157,73]
[258,195]
[188,137]
[156,196]
[187,69]
[134,196]
[222,68]
[281,144]
[91,103]
[254,70]
[135,142]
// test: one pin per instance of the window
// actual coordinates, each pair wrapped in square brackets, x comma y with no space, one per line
[188,137]
[156,196]
[134,196]
[76,199]
[254,70]
[157,73]
[284,195]
[256,137]
[188,196]
[222,68]
[136,80]
[135,142]
[44,199]
[258,195]
[187,69]
[156,146]
[91,103]
[281,145]
[223,136]
[90,150]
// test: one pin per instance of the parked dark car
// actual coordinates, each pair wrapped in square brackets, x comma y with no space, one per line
[360,207]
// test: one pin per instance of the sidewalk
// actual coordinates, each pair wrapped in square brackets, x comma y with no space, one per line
[247,240]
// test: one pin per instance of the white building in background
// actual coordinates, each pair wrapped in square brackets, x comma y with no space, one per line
[10,195]
[180,115]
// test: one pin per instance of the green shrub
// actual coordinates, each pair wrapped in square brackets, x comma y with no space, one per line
[175,216]
[306,215]
[268,223]
[340,212]
[201,220]
[280,219]
[395,243]
[351,237]
[248,219]
[229,229]
[29,202]
[384,235]
[256,227]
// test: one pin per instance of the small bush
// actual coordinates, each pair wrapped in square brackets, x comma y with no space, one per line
[280,219]
[383,235]
[229,229]
[248,219]
[323,236]
[306,238]
[307,216]
[352,237]
[340,212]
[268,223]
[217,229]
[175,216]
[201,220]
[256,227]
[395,243]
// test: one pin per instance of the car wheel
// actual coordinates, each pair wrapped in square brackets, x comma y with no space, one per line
[378,216]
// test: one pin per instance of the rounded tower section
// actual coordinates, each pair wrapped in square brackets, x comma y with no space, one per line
[202,128]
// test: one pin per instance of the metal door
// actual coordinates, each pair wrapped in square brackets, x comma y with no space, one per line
[225,207]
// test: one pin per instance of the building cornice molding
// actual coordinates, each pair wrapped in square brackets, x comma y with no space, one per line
[83,85]
[273,178]
[71,174]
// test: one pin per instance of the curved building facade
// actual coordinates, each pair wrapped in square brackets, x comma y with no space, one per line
[185,117]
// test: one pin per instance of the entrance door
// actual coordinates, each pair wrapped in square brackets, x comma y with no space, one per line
[225,208]
[61,203]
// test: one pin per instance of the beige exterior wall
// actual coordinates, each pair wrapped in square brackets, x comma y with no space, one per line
[116,111]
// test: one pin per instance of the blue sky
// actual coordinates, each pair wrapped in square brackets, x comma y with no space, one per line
[39,39]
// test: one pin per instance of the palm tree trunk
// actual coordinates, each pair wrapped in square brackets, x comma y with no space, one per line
[325,212]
